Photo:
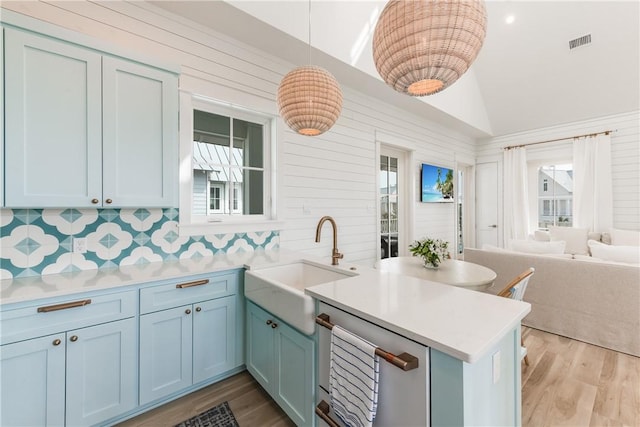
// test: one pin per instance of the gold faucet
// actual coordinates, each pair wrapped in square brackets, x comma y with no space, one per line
[335,255]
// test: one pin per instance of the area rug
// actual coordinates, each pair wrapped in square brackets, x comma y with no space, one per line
[218,416]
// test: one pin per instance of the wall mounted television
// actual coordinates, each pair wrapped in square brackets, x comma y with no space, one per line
[436,184]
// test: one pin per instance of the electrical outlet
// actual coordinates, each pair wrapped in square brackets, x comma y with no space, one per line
[496,367]
[80,245]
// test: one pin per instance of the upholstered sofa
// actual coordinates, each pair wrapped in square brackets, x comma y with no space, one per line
[594,302]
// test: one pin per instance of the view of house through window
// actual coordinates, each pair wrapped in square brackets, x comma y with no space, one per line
[228,165]
[388,206]
[555,195]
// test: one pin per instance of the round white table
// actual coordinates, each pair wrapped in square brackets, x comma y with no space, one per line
[451,272]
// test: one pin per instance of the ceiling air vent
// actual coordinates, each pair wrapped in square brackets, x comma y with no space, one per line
[580,41]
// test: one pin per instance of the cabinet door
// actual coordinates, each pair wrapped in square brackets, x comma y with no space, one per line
[53,122]
[294,388]
[259,346]
[140,110]
[101,372]
[2,119]
[214,338]
[32,376]
[165,352]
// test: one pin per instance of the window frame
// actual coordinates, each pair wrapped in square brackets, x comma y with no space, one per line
[535,188]
[189,224]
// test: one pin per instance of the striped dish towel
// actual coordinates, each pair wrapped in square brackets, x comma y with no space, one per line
[353,378]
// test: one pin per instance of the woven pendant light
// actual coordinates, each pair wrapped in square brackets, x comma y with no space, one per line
[309,100]
[309,97]
[421,47]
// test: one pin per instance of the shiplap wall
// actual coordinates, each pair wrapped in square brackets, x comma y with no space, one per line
[625,157]
[332,174]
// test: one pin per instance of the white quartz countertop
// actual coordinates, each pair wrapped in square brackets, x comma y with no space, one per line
[463,323]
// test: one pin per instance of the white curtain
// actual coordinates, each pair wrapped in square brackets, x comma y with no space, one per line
[592,187]
[516,194]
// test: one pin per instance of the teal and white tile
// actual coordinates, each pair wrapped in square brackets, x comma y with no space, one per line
[196,250]
[219,241]
[141,255]
[40,241]
[168,239]
[69,221]
[141,219]
[26,246]
[108,241]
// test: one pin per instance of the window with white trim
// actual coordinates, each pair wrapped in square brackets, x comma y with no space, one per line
[555,195]
[230,159]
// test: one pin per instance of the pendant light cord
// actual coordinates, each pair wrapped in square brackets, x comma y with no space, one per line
[309,32]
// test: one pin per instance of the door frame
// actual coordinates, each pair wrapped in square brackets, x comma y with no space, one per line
[406,185]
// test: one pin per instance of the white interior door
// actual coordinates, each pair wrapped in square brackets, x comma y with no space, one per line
[487,204]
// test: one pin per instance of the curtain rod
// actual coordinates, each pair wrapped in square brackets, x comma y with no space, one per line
[606,132]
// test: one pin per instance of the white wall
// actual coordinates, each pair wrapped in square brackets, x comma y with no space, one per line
[625,156]
[333,174]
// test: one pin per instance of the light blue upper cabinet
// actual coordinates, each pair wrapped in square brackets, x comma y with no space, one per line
[2,119]
[85,129]
[140,119]
[53,122]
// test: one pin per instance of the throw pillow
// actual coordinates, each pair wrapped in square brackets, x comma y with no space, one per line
[626,254]
[535,247]
[576,239]
[592,235]
[541,236]
[625,237]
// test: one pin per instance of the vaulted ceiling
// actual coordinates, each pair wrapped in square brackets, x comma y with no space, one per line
[524,78]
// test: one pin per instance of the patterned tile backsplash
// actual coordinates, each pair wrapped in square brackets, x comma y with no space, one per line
[36,242]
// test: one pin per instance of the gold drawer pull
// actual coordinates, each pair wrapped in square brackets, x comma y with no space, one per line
[191,284]
[322,411]
[64,306]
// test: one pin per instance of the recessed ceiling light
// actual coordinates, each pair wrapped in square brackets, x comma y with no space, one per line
[509,19]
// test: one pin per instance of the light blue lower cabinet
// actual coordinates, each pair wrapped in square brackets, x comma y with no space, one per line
[165,352]
[186,345]
[214,338]
[32,373]
[282,360]
[101,372]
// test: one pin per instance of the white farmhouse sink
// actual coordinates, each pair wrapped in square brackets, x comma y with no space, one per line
[280,290]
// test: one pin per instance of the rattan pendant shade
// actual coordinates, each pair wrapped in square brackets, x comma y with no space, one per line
[421,47]
[309,100]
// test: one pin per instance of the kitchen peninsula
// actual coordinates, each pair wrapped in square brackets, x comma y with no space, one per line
[467,343]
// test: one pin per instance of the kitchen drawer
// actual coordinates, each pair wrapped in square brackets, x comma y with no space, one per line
[187,291]
[62,315]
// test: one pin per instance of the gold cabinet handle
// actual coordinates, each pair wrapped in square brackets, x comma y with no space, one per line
[95,201]
[73,338]
[57,341]
[269,322]
[274,325]
[198,309]
[188,311]
[191,284]
[64,306]
[108,201]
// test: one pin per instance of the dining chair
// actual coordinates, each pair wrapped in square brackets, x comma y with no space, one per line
[515,290]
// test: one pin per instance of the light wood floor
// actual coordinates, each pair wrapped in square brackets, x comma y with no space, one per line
[568,383]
